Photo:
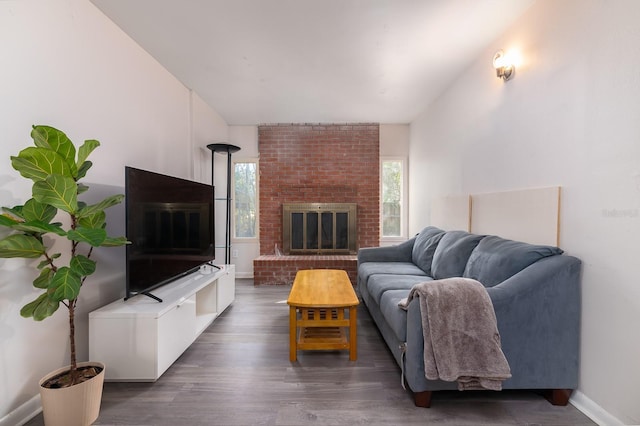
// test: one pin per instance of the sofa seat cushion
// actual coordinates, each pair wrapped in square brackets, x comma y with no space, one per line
[367,269]
[393,314]
[380,283]
[452,254]
[495,259]
[425,246]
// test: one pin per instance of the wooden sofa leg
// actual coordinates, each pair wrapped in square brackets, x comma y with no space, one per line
[558,396]
[422,399]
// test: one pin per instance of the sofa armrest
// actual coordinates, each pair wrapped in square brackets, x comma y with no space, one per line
[538,312]
[397,253]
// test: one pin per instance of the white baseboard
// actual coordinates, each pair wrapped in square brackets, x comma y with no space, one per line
[592,410]
[23,413]
[244,274]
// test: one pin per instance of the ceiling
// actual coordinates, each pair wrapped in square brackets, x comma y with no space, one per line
[293,61]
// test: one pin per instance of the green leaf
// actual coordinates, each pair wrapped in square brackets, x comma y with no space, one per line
[19,245]
[115,242]
[82,188]
[85,149]
[40,308]
[55,140]
[44,278]
[38,163]
[83,169]
[15,211]
[38,227]
[6,220]
[59,191]
[34,210]
[96,220]
[104,204]
[45,262]
[66,284]
[91,236]
[82,265]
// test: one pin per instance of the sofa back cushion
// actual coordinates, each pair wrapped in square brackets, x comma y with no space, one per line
[424,247]
[495,259]
[452,254]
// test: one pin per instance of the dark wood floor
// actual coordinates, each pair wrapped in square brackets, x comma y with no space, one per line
[238,373]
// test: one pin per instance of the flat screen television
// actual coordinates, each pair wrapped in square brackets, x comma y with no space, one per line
[169,222]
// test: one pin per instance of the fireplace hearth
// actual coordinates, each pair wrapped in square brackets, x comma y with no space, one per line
[319,228]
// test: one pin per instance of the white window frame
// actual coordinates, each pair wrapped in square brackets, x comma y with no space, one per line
[234,238]
[403,201]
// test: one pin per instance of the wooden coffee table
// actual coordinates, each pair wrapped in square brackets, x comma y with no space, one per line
[317,303]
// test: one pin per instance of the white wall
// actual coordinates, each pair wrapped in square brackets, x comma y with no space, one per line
[394,140]
[65,64]
[206,129]
[570,117]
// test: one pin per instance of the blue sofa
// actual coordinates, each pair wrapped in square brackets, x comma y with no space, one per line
[535,291]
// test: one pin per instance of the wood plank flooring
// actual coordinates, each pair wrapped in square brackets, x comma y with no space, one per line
[238,373]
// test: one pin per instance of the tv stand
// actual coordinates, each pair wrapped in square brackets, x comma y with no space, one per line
[214,266]
[138,339]
[156,298]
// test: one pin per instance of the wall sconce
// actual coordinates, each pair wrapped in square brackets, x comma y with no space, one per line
[505,69]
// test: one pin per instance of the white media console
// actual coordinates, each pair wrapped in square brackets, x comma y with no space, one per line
[138,339]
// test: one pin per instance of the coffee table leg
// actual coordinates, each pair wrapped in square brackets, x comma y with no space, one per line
[293,333]
[353,340]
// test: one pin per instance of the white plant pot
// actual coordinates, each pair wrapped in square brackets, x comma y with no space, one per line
[78,405]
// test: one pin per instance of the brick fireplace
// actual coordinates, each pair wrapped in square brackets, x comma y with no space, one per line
[315,163]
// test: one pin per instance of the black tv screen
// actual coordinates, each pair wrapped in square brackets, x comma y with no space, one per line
[169,222]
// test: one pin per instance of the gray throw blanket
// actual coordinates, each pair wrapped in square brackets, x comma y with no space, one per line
[461,339]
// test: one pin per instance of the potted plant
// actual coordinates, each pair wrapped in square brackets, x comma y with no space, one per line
[56,167]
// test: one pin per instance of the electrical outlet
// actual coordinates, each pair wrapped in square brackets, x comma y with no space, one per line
[234,254]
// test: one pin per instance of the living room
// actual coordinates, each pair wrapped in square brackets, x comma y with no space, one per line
[568,117]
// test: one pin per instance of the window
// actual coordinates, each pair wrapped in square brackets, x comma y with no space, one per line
[245,199]
[392,189]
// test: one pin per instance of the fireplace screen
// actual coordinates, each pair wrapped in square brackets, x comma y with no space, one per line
[319,228]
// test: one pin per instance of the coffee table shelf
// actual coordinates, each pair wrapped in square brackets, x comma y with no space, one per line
[322,329]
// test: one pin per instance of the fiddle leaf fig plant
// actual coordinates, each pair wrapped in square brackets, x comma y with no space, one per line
[56,167]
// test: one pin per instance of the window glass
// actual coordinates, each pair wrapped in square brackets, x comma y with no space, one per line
[391,198]
[245,199]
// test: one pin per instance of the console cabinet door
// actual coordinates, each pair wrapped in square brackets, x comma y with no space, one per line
[127,346]
[226,288]
[176,331]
